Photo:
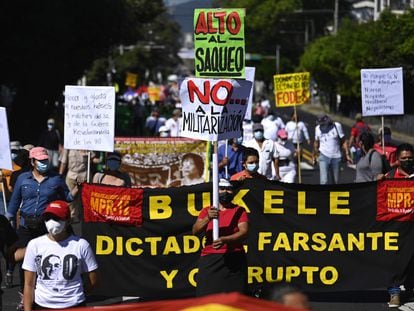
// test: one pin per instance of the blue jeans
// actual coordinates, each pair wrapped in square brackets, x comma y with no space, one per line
[357,154]
[326,163]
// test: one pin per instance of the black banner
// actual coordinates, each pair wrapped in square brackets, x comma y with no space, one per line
[323,238]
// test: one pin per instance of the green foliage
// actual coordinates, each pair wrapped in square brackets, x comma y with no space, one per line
[284,23]
[261,21]
[335,61]
[48,44]
[155,51]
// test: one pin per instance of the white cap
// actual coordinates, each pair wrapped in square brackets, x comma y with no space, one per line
[225,183]
[28,147]
[15,145]
[172,78]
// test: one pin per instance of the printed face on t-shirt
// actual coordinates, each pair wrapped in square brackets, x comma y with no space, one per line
[50,267]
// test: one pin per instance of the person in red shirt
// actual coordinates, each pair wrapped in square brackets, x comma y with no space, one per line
[250,162]
[389,148]
[405,160]
[357,129]
[223,264]
[405,169]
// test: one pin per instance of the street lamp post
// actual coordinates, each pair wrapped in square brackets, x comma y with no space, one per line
[277,58]
[336,12]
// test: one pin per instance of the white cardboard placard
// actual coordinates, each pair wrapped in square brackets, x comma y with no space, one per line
[89,118]
[382,91]
[5,153]
[250,72]
[213,109]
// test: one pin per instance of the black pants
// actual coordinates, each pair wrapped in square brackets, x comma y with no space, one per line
[222,273]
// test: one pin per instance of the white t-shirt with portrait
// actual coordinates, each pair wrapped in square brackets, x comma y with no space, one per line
[59,266]
[329,142]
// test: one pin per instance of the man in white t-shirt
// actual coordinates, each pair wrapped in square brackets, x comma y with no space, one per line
[54,264]
[174,123]
[268,156]
[329,139]
[297,133]
[271,124]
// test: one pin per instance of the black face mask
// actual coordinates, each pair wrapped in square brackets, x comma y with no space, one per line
[225,197]
[407,166]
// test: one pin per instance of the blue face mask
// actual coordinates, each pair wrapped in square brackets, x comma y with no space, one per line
[50,126]
[239,140]
[42,167]
[258,135]
[252,168]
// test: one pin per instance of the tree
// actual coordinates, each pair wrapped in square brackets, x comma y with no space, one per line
[290,24]
[335,62]
[48,44]
[155,51]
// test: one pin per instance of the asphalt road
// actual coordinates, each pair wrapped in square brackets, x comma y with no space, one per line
[346,301]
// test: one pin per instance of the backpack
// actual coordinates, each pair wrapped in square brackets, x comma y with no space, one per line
[386,167]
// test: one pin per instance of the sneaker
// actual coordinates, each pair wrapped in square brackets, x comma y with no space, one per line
[9,280]
[394,301]
[20,305]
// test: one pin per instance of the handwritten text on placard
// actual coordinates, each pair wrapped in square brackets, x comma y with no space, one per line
[89,118]
[382,91]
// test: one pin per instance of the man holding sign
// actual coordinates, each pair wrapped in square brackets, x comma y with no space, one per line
[223,263]
[214,110]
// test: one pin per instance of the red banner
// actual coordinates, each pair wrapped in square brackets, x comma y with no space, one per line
[395,200]
[112,204]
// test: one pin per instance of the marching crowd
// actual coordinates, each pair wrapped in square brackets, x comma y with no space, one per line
[44,181]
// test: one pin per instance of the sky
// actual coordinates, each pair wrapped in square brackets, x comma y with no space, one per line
[183,11]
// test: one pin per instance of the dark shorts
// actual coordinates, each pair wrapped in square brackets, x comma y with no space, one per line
[222,273]
[25,235]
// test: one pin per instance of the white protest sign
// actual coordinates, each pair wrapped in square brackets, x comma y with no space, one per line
[89,118]
[213,109]
[382,91]
[5,153]
[250,72]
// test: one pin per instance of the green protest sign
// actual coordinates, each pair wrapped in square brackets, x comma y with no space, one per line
[219,43]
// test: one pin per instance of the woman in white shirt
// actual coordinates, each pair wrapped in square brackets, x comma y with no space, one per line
[286,151]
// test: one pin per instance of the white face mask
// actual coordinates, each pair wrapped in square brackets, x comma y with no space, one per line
[55,227]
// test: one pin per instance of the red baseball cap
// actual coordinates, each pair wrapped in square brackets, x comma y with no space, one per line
[282,134]
[58,209]
[38,153]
